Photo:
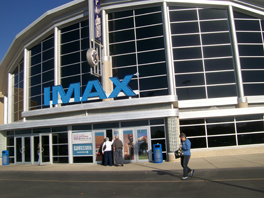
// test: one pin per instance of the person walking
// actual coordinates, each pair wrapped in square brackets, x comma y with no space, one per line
[186,147]
[107,152]
[118,146]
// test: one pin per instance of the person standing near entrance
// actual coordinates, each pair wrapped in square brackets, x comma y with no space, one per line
[118,146]
[186,147]
[108,152]
[38,154]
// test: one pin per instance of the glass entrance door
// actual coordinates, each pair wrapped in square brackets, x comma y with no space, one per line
[23,149]
[99,139]
[142,147]
[45,149]
[136,143]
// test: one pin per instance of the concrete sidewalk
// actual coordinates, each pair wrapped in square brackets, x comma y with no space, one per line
[234,161]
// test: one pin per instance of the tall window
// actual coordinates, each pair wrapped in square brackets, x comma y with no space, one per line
[74,65]
[41,72]
[202,53]
[18,91]
[137,46]
[249,32]
[224,131]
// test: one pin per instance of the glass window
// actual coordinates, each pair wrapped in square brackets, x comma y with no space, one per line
[193,130]
[186,40]
[249,37]
[70,47]
[198,142]
[150,44]
[10,141]
[249,117]
[222,141]
[149,19]
[188,66]
[220,77]
[60,150]
[191,93]
[153,69]
[122,72]
[70,36]
[254,89]
[134,123]
[153,83]
[181,28]
[244,127]
[153,56]
[121,24]
[60,138]
[251,25]
[217,51]
[121,36]
[222,91]
[147,10]
[244,139]
[122,14]
[189,80]
[106,125]
[218,64]
[219,119]
[252,63]
[122,48]
[211,26]
[212,14]
[148,32]
[157,132]
[124,60]
[220,129]
[253,76]
[188,122]
[215,38]
[188,15]
[156,121]
[251,50]
[81,127]
[187,53]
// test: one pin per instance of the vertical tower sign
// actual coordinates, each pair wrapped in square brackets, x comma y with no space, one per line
[97,20]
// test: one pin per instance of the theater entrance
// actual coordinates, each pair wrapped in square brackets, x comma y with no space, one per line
[136,143]
[23,150]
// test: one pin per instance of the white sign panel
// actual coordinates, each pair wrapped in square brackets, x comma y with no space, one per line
[82,138]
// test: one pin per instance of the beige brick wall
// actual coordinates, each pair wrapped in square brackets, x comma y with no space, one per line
[227,151]
[200,153]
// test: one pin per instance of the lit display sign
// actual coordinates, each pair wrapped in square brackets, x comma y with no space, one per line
[75,89]
[82,149]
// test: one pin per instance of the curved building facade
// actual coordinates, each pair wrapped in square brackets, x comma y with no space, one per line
[145,70]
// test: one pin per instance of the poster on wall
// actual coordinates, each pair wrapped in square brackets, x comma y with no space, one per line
[82,138]
[82,149]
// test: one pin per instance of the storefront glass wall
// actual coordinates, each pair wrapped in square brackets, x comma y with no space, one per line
[17,92]
[249,31]
[41,72]
[202,53]
[136,42]
[225,131]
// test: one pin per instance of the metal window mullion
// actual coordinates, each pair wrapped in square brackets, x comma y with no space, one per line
[237,65]
[136,51]
[168,49]
[201,41]
[206,135]
[261,32]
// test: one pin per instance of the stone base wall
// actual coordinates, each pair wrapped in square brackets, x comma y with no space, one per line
[200,153]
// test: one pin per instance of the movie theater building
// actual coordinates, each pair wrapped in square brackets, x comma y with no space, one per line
[145,70]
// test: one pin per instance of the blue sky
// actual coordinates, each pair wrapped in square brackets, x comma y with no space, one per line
[16,15]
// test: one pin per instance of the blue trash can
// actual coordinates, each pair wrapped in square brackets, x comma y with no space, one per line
[157,150]
[5,158]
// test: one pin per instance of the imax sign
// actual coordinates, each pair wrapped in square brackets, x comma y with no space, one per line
[75,89]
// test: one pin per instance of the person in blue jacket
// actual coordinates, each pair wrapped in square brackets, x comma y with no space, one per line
[186,147]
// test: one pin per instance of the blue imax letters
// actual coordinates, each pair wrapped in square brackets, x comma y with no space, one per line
[75,89]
